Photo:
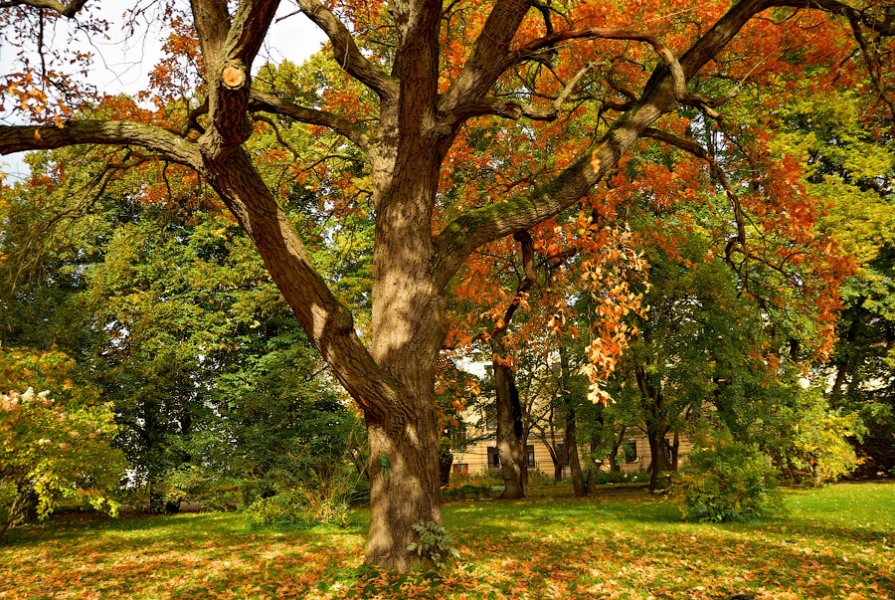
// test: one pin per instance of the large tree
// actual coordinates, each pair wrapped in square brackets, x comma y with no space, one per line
[419,72]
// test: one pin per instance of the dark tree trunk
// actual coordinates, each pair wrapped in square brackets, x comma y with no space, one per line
[571,445]
[509,431]
[446,460]
[675,450]
[657,481]
[614,465]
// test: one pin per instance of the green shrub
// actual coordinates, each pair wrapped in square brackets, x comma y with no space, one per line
[52,451]
[324,499]
[729,481]
[281,509]
[604,477]
[468,492]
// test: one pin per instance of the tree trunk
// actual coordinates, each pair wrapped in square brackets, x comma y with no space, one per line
[618,440]
[525,464]
[509,431]
[570,443]
[407,334]
[658,466]
[404,489]
[675,450]
[446,460]
[571,446]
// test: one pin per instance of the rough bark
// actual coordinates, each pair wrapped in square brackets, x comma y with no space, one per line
[509,432]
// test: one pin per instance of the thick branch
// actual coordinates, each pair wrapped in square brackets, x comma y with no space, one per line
[513,110]
[118,133]
[212,22]
[484,65]
[270,103]
[346,52]
[328,323]
[228,68]
[66,10]
[249,27]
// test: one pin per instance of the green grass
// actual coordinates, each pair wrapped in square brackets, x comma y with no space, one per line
[837,542]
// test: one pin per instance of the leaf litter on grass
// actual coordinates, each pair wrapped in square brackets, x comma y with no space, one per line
[834,543]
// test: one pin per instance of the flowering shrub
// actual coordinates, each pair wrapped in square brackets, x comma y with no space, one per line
[50,451]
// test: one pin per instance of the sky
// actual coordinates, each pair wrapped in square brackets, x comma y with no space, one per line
[122,65]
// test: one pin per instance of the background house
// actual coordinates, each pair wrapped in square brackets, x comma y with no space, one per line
[477,452]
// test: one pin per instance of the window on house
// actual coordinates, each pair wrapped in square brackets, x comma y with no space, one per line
[462,468]
[459,435]
[493,458]
[530,455]
[630,449]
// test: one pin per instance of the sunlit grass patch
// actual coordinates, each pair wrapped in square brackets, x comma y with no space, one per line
[836,542]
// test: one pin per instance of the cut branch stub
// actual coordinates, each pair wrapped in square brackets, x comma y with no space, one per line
[234,74]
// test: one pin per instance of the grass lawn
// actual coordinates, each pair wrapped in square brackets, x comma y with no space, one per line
[837,542]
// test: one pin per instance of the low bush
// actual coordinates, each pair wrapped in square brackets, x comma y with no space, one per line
[728,481]
[468,491]
[604,477]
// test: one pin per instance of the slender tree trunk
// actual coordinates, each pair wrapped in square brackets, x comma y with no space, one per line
[571,446]
[557,454]
[446,460]
[570,443]
[525,464]
[675,450]
[509,431]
